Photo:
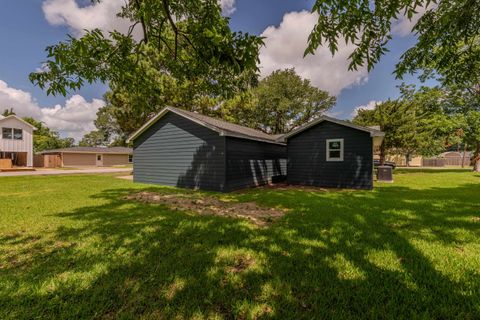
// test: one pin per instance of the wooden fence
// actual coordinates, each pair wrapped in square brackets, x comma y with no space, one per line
[47,161]
[6,163]
[442,162]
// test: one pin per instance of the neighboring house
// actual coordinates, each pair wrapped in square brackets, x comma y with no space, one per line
[186,149]
[16,141]
[456,154]
[89,156]
[332,153]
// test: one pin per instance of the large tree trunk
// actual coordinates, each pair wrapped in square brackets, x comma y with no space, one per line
[476,159]
[464,154]
[382,153]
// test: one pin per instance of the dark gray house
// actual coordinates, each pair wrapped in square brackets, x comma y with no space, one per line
[186,149]
[332,153]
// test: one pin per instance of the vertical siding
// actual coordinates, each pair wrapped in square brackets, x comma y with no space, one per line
[252,163]
[307,158]
[178,152]
[24,145]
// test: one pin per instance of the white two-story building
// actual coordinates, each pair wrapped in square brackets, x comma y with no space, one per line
[16,141]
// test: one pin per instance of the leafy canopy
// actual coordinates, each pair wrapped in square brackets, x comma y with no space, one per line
[281,102]
[46,139]
[187,40]
[448,35]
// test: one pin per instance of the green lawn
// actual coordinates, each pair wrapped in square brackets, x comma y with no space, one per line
[72,247]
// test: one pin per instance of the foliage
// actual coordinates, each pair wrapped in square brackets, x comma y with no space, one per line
[418,123]
[93,139]
[281,102]
[8,112]
[46,139]
[189,41]
[448,35]
[72,247]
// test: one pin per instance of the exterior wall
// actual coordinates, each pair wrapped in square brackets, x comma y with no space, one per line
[307,163]
[115,159]
[178,152]
[11,145]
[251,163]
[78,159]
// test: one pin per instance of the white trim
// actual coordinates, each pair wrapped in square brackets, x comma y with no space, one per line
[19,119]
[342,147]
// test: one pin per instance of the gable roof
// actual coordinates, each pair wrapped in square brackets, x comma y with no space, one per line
[222,127]
[12,116]
[113,150]
[373,131]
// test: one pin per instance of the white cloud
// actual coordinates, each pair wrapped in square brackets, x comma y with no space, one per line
[228,6]
[73,120]
[369,106]
[403,26]
[102,15]
[284,48]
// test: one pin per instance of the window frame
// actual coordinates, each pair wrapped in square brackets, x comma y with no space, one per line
[13,133]
[130,158]
[341,149]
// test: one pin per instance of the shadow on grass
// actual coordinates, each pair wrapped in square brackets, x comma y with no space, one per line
[336,255]
[432,170]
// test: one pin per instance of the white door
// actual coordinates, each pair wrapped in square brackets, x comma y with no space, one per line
[99,160]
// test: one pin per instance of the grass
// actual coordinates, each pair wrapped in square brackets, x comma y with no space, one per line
[71,247]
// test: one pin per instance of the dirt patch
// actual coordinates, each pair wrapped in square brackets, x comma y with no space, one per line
[476,219]
[212,206]
[241,263]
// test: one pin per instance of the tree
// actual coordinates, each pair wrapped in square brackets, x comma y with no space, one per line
[188,41]
[46,139]
[392,119]
[448,35]
[93,139]
[472,135]
[419,122]
[281,102]
[8,112]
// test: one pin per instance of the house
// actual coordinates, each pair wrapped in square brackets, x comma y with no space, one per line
[16,141]
[86,156]
[328,152]
[187,149]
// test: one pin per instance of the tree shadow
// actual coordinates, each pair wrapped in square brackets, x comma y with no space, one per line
[325,259]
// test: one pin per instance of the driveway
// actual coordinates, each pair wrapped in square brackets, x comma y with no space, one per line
[44,172]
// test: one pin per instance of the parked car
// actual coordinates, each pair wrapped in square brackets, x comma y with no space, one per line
[392,164]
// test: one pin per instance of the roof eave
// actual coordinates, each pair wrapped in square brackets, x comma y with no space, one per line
[233,135]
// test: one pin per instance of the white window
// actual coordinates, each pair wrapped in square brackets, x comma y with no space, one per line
[7,133]
[334,149]
[18,134]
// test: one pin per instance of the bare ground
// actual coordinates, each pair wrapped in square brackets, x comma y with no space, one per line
[206,205]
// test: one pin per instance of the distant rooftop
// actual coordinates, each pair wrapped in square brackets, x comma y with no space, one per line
[115,150]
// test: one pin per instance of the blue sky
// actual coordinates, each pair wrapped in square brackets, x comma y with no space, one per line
[31,25]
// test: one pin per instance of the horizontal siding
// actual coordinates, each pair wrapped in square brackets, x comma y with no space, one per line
[79,159]
[307,158]
[253,163]
[178,152]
